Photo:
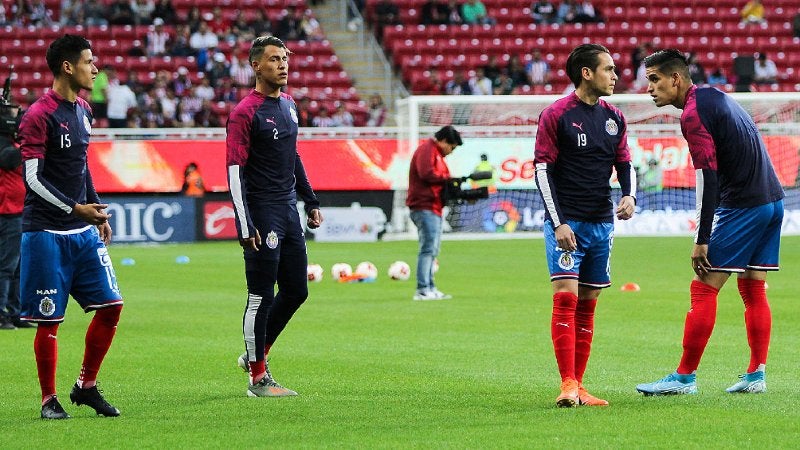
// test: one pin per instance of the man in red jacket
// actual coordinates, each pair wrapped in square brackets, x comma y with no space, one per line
[12,197]
[427,178]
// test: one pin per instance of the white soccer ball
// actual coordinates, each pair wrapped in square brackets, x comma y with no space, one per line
[399,270]
[314,272]
[367,269]
[340,270]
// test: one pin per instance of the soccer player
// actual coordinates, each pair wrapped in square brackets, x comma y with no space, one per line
[65,228]
[427,178]
[579,140]
[740,210]
[265,175]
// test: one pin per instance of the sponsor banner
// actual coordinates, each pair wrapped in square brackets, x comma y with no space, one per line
[358,224]
[152,219]
[219,220]
[378,164]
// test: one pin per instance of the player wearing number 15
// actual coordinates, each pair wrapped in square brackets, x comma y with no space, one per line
[740,211]
[579,140]
[65,229]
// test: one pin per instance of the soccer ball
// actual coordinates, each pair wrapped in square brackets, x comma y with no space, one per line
[340,270]
[367,269]
[399,270]
[314,272]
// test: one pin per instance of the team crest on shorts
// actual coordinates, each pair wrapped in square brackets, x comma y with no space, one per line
[272,240]
[293,113]
[611,127]
[566,262]
[47,307]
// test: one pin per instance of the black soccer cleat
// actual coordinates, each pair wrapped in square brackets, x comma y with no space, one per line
[93,398]
[53,410]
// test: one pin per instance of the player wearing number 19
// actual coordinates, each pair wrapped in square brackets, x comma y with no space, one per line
[65,229]
[579,140]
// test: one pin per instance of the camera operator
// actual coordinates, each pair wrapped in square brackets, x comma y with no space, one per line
[12,197]
[428,179]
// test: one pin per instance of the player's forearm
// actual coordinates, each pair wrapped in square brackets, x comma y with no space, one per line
[43,188]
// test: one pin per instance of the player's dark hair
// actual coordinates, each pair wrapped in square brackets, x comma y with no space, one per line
[450,135]
[260,43]
[668,61]
[584,55]
[66,48]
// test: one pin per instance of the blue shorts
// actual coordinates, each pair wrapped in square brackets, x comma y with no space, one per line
[282,235]
[54,265]
[746,238]
[590,264]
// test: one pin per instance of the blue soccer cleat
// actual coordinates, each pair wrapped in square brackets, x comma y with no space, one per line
[749,383]
[672,384]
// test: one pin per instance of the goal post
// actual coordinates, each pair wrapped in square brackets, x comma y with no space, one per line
[504,129]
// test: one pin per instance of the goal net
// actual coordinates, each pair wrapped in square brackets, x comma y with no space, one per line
[503,128]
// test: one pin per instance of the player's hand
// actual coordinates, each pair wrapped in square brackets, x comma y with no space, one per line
[105,232]
[314,219]
[566,238]
[251,243]
[700,263]
[91,213]
[626,208]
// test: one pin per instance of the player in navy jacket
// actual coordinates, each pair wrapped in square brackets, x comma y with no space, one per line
[580,139]
[265,176]
[739,209]
[65,228]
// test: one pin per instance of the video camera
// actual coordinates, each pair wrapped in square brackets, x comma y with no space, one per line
[9,124]
[454,193]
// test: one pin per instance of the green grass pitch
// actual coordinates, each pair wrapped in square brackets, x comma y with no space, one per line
[375,369]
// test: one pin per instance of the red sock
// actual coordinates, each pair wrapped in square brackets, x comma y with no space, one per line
[562,329]
[267,348]
[45,347]
[757,320]
[257,370]
[584,331]
[699,325]
[99,336]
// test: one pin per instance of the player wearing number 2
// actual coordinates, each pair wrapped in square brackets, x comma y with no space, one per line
[579,140]
[739,209]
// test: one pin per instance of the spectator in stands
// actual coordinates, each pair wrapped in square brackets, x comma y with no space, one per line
[183,118]
[143,11]
[218,24]
[696,70]
[136,86]
[261,24]
[638,54]
[181,46]
[323,119]
[205,91]
[433,12]
[181,83]
[71,13]
[342,117]
[158,40]
[38,14]
[753,12]
[169,108]
[193,19]
[227,92]
[459,85]
[474,13]
[537,70]
[565,12]
[492,69]
[453,11]
[432,84]
[4,20]
[765,70]
[386,13]
[152,117]
[240,30]
[120,13]
[95,13]
[289,26]
[206,117]
[717,77]
[376,114]
[165,11]
[120,99]
[516,71]
[311,27]
[304,116]
[480,84]
[503,85]
[98,97]
[543,12]
[203,39]
[585,12]
[242,74]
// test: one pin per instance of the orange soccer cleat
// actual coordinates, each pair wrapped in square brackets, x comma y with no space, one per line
[587,399]
[569,394]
